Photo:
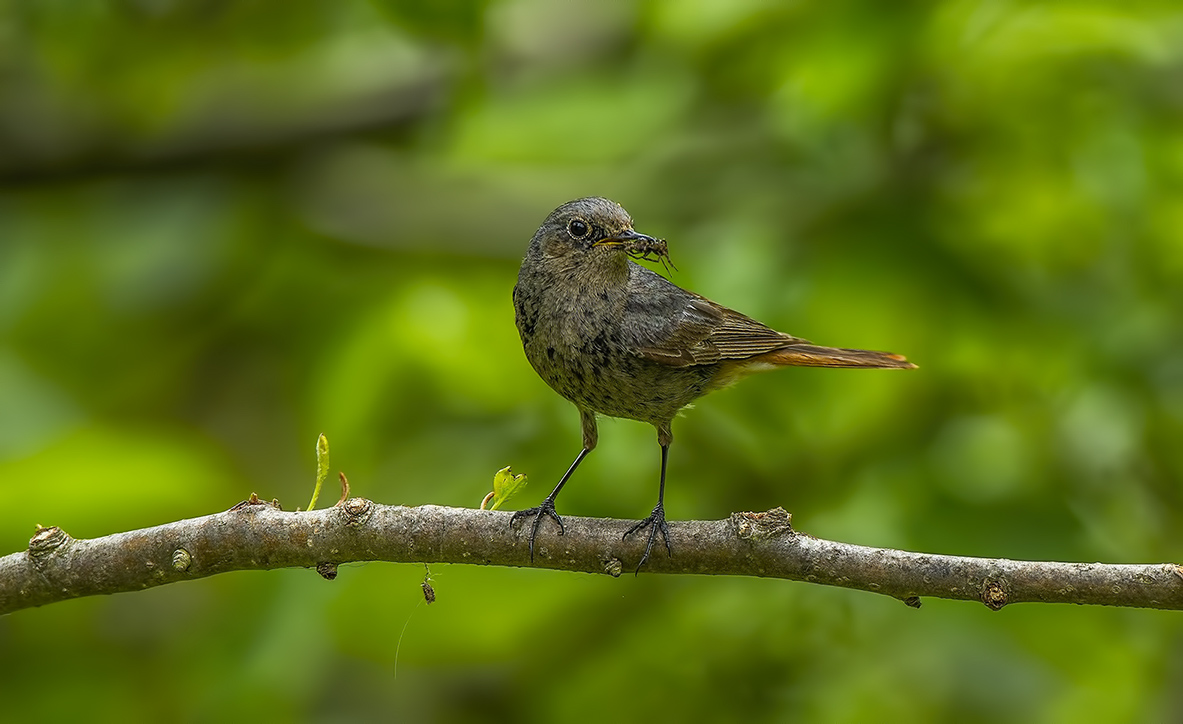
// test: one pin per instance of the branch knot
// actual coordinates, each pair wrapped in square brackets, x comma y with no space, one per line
[994,593]
[182,559]
[47,540]
[762,526]
[358,511]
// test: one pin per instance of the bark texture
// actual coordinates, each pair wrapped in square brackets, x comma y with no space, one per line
[255,535]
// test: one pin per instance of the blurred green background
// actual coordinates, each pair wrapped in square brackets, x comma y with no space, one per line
[226,227]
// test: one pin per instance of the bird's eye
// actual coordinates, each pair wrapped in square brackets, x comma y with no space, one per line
[578,228]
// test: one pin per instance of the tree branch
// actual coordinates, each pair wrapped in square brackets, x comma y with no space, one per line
[259,536]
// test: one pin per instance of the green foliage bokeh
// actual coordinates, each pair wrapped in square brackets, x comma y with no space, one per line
[228,227]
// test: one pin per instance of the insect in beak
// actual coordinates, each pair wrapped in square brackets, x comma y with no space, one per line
[640,246]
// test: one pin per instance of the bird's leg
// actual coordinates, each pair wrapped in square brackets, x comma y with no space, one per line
[546,509]
[656,520]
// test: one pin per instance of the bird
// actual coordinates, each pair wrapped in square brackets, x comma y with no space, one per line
[619,340]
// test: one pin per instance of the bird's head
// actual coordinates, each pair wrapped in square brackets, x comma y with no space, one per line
[592,231]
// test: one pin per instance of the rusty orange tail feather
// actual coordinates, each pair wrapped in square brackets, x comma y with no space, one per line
[808,355]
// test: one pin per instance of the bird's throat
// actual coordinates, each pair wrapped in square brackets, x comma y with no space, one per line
[601,271]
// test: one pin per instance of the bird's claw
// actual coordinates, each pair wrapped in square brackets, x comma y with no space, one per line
[545,510]
[656,524]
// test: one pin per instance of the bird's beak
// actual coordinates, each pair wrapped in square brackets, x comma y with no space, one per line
[639,246]
[628,236]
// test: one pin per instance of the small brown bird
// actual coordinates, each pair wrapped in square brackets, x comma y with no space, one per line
[617,339]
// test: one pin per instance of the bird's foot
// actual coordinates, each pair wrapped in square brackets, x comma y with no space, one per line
[656,524]
[545,510]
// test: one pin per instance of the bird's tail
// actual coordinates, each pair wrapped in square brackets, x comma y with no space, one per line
[809,355]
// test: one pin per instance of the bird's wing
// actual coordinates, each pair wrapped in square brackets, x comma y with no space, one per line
[667,324]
